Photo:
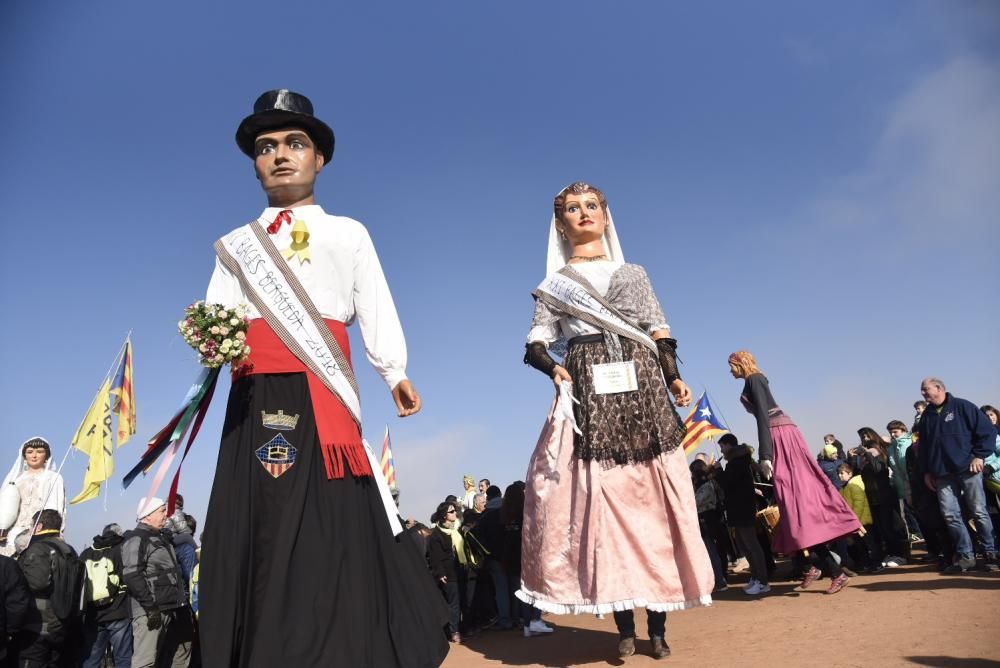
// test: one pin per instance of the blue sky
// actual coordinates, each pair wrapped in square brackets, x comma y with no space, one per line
[818,186]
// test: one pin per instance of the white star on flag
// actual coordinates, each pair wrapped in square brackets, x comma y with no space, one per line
[706,412]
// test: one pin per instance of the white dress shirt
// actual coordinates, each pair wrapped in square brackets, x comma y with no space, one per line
[344,279]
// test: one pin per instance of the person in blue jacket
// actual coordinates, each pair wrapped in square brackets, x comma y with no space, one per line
[955,438]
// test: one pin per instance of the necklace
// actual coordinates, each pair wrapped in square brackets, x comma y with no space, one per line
[589,258]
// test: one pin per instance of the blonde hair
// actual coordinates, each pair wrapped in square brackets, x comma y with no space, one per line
[578,188]
[744,362]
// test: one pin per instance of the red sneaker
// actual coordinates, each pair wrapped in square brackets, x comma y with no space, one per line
[838,583]
[810,577]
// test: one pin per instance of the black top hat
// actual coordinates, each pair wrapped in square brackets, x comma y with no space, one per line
[283,108]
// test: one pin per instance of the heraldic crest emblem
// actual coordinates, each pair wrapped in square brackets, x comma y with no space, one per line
[277,455]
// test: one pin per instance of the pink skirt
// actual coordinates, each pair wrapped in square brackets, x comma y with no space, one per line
[812,510]
[597,540]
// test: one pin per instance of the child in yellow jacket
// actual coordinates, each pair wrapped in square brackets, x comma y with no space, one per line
[853,492]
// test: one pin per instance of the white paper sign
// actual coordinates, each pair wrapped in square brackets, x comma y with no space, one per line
[615,377]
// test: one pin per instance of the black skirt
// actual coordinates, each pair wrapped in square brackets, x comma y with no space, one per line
[299,570]
[624,427]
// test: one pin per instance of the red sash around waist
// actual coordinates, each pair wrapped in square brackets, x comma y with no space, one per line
[339,436]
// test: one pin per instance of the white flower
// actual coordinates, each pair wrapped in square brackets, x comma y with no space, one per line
[203,347]
[241,336]
[227,344]
[223,315]
[234,321]
[224,331]
[215,329]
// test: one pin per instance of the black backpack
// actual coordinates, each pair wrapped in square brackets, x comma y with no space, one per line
[68,575]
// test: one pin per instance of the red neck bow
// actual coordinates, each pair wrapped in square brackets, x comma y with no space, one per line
[284,216]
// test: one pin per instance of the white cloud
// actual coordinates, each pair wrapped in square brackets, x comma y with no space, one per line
[936,161]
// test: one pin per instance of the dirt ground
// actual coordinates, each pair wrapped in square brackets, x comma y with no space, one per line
[908,616]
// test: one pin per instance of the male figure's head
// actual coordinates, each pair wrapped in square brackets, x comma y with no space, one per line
[484,485]
[933,390]
[288,144]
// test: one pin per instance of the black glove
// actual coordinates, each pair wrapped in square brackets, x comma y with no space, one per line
[667,349]
[154,619]
[537,356]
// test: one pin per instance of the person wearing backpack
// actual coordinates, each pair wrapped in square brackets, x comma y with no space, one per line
[161,620]
[54,574]
[107,620]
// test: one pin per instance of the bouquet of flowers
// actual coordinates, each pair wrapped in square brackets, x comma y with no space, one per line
[217,333]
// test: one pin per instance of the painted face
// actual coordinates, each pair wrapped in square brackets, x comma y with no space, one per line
[35,458]
[583,217]
[933,393]
[286,160]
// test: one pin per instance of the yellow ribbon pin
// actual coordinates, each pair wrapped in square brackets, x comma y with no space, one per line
[300,243]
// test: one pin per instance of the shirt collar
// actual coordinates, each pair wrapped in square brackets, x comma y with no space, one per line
[303,212]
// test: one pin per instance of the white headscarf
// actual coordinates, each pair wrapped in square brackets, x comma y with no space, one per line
[560,251]
[20,465]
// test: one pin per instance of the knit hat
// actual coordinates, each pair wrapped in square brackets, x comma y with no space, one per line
[148,506]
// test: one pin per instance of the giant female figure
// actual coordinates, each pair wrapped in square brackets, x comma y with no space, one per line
[610,521]
[812,511]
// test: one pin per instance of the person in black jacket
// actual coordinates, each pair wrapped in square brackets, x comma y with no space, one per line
[489,532]
[447,560]
[872,460]
[43,639]
[737,482]
[161,619]
[16,599]
[107,618]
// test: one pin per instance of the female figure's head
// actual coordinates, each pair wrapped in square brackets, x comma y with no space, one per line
[581,212]
[35,453]
[992,413]
[742,364]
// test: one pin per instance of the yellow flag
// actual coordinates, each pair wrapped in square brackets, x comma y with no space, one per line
[94,439]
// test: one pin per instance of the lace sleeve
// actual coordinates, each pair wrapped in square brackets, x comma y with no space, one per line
[544,324]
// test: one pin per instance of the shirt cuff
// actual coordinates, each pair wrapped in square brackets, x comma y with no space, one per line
[393,377]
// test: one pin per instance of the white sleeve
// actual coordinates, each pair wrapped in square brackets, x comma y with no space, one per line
[376,315]
[544,324]
[224,288]
[56,496]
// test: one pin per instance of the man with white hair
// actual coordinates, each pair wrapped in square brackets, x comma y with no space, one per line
[161,621]
[955,438]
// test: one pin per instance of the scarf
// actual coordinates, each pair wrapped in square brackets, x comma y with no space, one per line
[457,542]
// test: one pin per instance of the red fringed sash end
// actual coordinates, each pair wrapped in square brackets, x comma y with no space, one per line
[334,455]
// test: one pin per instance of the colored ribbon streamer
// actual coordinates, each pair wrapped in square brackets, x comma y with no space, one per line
[195,403]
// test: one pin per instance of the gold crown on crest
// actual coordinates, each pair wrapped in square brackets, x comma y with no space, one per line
[279,420]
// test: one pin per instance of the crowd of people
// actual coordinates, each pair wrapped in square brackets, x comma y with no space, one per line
[915,484]
[129,599]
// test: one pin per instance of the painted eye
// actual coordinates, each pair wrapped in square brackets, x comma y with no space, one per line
[265,149]
[592,206]
[297,145]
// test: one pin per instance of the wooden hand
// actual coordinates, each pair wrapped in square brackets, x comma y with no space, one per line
[407,400]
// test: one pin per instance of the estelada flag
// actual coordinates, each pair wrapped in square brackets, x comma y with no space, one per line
[123,397]
[388,464]
[93,438]
[701,424]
